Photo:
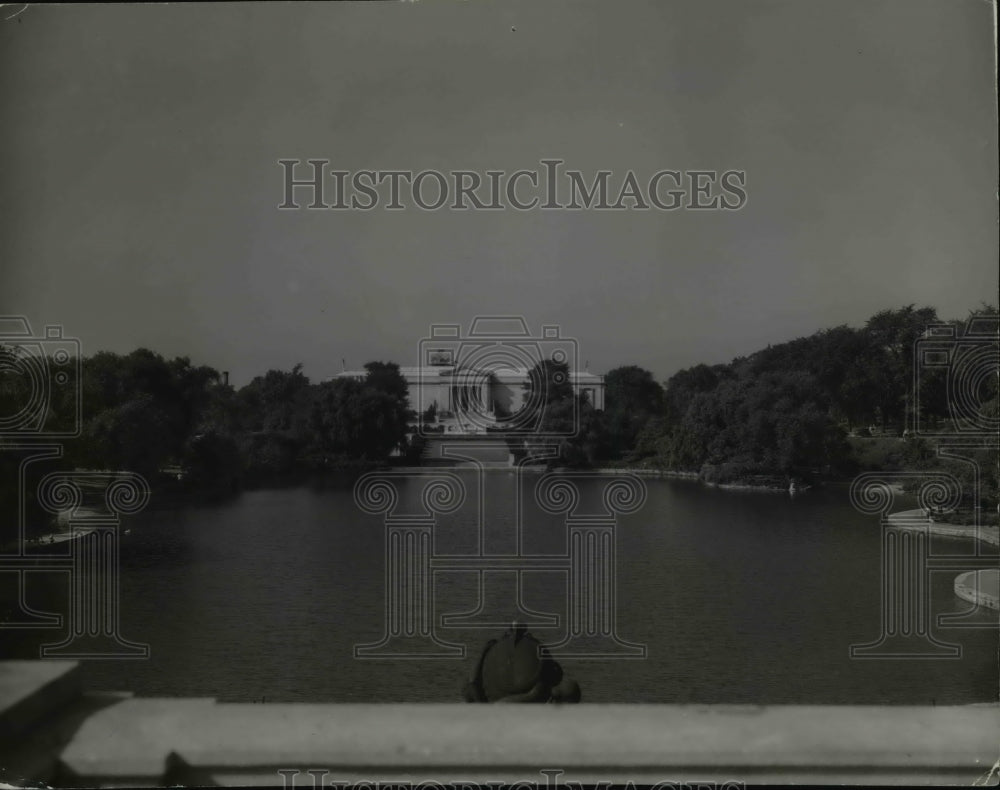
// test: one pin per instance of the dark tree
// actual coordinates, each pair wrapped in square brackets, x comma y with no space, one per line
[631,398]
[548,382]
[385,376]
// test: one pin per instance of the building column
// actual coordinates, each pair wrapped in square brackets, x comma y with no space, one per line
[591,604]
[409,541]
[905,600]
[94,594]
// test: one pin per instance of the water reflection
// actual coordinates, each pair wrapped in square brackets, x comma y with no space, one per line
[739,597]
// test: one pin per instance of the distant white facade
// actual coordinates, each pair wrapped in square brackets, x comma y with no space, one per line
[456,391]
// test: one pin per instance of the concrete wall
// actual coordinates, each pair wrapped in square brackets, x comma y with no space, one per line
[53,733]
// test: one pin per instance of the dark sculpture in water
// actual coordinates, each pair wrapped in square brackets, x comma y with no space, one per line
[517,668]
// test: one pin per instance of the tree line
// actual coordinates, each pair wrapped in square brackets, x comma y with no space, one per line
[799,409]
[151,415]
[787,410]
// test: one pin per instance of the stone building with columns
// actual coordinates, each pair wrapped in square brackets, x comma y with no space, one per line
[454,392]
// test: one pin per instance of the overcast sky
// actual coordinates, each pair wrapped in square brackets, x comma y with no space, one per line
[139,185]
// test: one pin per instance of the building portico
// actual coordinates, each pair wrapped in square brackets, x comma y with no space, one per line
[452,392]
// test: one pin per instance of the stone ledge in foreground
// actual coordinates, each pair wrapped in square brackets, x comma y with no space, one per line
[198,742]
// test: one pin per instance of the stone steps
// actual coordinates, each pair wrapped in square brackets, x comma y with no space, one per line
[484,451]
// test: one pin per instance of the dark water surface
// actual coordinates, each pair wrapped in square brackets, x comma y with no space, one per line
[740,597]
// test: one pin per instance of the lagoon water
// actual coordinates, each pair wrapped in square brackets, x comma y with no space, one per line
[740,597]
